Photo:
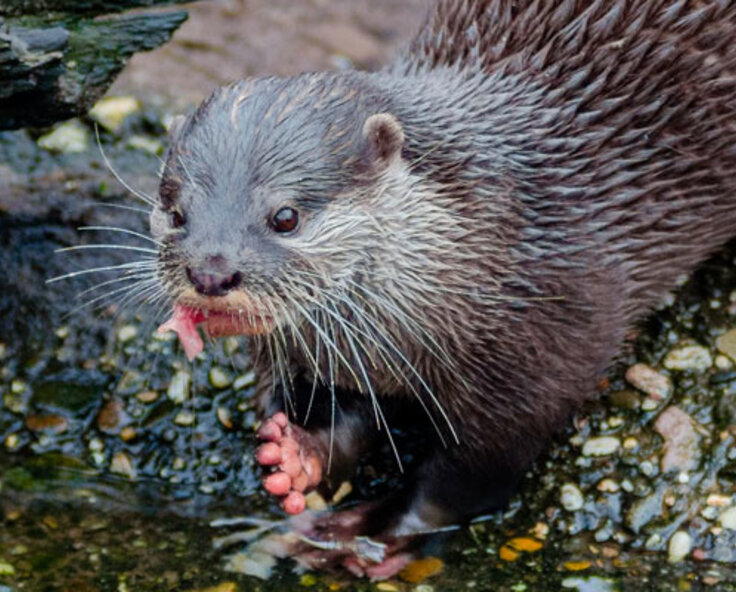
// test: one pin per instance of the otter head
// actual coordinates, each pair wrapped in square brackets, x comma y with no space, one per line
[267,203]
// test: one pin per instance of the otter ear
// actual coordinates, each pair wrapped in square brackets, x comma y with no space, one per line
[384,137]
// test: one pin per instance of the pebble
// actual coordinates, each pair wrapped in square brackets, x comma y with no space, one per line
[723,363]
[220,378]
[681,440]
[184,418]
[225,418]
[126,333]
[6,569]
[679,546]
[571,497]
[109,416]
[648,380]
[727,519]
[18,386]
[52,424]
[122,465]
[111,112]
[608,486]
[726,344]
[244,380]
[70,137]
[11,441]
[718,500]
[601,446]
[147,396]
[178,390]
[695,358]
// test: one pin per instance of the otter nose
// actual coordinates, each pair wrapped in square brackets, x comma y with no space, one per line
[213,284]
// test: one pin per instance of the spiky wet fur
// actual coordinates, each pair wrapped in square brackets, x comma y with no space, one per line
[563,163]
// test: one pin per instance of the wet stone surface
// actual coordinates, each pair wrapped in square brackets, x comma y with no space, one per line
[115,453]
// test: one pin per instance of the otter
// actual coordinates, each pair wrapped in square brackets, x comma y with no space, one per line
[471,230]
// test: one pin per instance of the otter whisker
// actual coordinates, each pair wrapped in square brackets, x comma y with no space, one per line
[138,285]
[142,196]
[125,278]
[142,264]
[106,246]
[396,372]
[419,377]
[101,204]
[124,231]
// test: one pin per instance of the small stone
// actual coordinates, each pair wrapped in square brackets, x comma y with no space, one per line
[648,380]
[679,546]
[18,386]
[540,530]
[727,519]
[386,587]
[147,396]
[608,486]
[345,489]
[50,424]
[723,362]
[630,443]
[111,112]
[11,441]
[601,446]
[223,415]
[315,502]
[571,498]
[70,137]
[726,344]
[178,390]
[709,513]
[145,144]
[184,418]
[681,440]
[127,434]
[110,417]
[421,569]
[6,569]
[126,333]
[62,332]
[244,380]
[626,399]
[220,378]
[719,501]
[122,465]
[694,358]
[650,404]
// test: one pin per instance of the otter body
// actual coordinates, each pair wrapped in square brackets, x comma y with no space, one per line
[473,229]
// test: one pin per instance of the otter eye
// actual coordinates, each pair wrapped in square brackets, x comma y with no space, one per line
[177,219]
[285,220]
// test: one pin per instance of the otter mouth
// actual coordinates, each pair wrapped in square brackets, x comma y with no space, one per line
[215,321]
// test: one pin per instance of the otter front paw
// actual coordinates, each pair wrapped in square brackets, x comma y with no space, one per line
[295,458]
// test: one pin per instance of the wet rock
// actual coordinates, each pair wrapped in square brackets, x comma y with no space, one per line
[244,380]
[648,380]
[178,390]
[681,440]
[601,446]
[127,333]
[111,112]
[694,358]
[147,396]
[727,519]
[185,418]
[70,137]
[571,498]
[679,546]
[645,510]
[122,465]
[726,344]
[110,416]
[219,378]
[52,424]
